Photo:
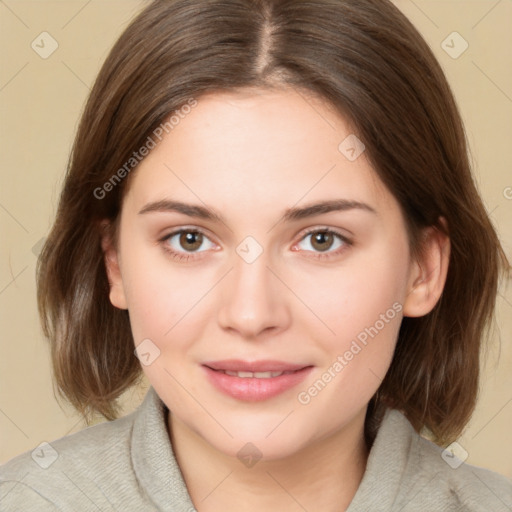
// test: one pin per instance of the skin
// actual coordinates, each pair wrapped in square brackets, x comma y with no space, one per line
[250,156]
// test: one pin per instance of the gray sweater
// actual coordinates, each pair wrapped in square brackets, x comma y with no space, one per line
[128,465]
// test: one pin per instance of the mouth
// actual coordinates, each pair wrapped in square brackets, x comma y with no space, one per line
[254,381]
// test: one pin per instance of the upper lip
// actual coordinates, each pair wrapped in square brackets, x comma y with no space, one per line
[237,365]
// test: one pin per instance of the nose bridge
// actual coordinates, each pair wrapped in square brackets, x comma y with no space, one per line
[252,301]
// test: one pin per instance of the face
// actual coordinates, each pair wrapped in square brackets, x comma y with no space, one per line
[265,272]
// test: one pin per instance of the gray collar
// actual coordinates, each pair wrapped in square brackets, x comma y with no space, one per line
[153,458]
[160,477]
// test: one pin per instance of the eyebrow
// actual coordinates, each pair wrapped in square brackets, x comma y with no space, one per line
[291,214]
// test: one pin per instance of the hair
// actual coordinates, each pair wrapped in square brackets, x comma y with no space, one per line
[368,62]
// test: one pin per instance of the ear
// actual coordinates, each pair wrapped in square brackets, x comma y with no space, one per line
[111,258]
[428,273]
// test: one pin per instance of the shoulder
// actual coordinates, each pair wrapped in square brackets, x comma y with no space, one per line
[68,470]
[407,472]
[87,444]
[442,480]
[126,464]
[473,488]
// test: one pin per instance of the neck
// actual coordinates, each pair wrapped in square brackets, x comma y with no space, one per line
[323,476]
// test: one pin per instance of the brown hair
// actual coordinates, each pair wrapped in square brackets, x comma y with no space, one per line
[369,62]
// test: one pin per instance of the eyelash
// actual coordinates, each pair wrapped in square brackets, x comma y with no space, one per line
[179,256]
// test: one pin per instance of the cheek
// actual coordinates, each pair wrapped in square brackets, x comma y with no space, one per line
[360,308]
[346,300]
[166,307]
[161,298]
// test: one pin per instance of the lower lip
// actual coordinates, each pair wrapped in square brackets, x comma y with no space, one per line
[252,389]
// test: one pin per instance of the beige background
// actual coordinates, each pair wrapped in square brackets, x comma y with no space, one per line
[40,103]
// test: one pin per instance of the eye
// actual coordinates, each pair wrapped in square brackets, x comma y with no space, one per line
[184,243]
[324,240]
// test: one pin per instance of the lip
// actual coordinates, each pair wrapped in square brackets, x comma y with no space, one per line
[254,389]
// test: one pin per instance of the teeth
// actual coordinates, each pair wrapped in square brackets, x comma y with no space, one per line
[257,375]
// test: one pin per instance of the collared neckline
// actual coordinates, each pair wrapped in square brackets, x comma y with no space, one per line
[153,458]
[394,446]
[161,479]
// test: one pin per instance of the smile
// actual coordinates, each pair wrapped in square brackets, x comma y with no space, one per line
[254,381]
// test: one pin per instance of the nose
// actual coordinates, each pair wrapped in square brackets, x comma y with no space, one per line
[253,300]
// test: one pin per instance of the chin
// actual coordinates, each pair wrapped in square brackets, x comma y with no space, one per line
[268,438]
[260,449]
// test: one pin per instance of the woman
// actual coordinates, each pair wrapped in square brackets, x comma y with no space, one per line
[271,203]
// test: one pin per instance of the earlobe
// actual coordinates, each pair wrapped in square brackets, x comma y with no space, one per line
[428,274]
[111,259]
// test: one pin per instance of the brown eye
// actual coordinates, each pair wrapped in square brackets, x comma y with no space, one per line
[190,240]
[187,241]
[322,240]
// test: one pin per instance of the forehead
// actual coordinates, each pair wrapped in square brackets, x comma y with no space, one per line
[258,149]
